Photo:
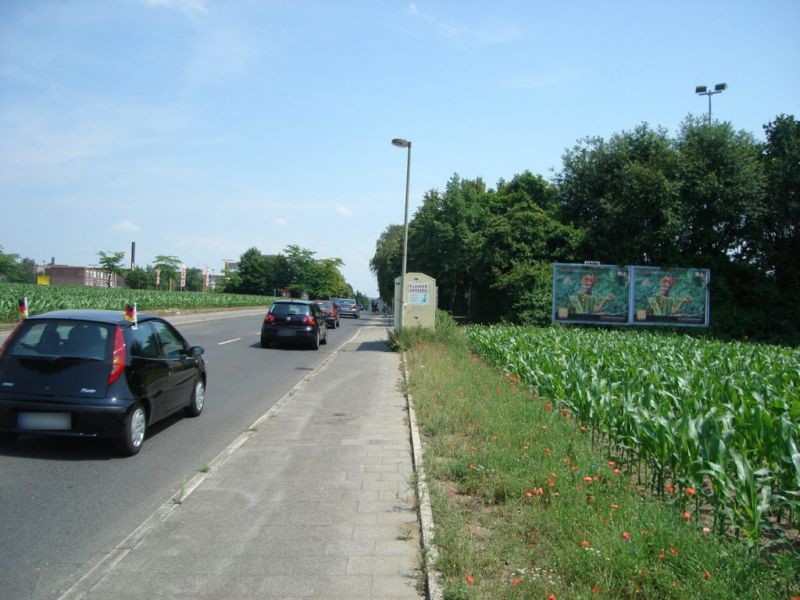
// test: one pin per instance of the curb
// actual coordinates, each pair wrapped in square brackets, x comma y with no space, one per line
[430,552]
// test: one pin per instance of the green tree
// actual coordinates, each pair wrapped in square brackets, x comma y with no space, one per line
[445,240]
[778,226]
[253,273]
[168,267]
[522,240]
[111,263]
[721,194]
[625,194]
[140,279]
[386,263]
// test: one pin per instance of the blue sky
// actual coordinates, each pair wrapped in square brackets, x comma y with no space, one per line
[202,128]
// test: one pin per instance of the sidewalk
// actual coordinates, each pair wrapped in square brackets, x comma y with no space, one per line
[315,502]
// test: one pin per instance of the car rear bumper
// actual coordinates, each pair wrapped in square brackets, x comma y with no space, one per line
[287,335]
[63,417]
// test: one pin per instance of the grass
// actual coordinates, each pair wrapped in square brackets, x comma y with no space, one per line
[526,507]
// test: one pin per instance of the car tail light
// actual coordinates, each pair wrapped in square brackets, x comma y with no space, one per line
[7,343]
[270,318]
[309,320]
[118,356]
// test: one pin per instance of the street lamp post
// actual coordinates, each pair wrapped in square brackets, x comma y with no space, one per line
[401,143]
[702,90]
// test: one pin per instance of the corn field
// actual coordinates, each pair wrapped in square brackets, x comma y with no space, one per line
[46,298]
[702,422]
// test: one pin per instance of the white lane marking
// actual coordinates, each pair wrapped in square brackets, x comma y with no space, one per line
[228,341]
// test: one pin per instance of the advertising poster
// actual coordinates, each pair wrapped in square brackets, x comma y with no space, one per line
[598,294]
[670,296]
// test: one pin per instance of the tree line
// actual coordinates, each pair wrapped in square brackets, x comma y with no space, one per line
[708,197]
[295,271]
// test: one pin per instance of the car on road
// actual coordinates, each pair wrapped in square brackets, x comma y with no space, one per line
[96,374]
[349,308]
[331,312]
[294,322]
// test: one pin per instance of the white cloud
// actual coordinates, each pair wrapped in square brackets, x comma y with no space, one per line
[344,211]
[190,6]
[129,226]
[484,36]
[281,222]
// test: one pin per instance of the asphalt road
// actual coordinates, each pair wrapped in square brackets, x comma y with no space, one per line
[64,504]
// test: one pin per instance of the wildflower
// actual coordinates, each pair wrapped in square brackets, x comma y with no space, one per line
[583,429]
[661,556]
[707,530]
[515,582]
[470,580]
[670,488]
[614,505]
[596,589]
[626,536]
[589,499]
[548,406]
[587,479]
[674,551]
[612,464]
[706,575]
[473,448]
[690,491]
[585,544]
[686,516]
[645,532]
[528,495]
[547,451]
[616,471]
[551,597]
[564,412]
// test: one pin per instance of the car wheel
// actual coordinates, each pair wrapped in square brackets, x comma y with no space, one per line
[133,430]
[325,339]
[264,343]
[195,406]
[315,342]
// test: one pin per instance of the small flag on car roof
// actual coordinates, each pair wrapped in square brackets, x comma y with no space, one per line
[23,308]
[130,314]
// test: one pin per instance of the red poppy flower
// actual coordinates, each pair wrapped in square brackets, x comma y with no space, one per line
[548,406]
[528,495]
[670,488]
[661,556]
[614,505]
[470,580]
[612,464]
[587,479]
[686,516]
[690,490]
[585,544]
[674,551]
[706,575]
[626,536]
[596,589]
[516,582]
[551,597]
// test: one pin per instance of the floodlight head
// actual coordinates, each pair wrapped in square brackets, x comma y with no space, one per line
[700,89]
[401,143]
[720,87]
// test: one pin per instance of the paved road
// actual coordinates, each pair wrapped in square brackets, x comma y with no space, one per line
[63,503]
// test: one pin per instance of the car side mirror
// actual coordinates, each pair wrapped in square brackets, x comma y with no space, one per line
[197,350]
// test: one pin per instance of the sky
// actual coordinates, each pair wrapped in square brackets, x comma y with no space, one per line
[202,128]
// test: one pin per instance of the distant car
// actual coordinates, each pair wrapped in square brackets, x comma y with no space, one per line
[294,322]
[90,373]
[349,308]
[331,312]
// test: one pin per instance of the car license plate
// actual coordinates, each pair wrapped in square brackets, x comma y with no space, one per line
[44,421]
[286,333]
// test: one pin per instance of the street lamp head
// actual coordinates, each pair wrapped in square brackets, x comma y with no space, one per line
[700,89]
[401,143]
[720,87]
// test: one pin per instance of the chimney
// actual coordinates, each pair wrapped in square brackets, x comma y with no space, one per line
[133,255]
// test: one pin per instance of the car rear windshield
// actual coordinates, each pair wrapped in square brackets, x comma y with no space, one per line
[60,338]
[283,309]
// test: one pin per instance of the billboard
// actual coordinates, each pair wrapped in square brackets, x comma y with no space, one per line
[630,295]
[670,296]
[590,293]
